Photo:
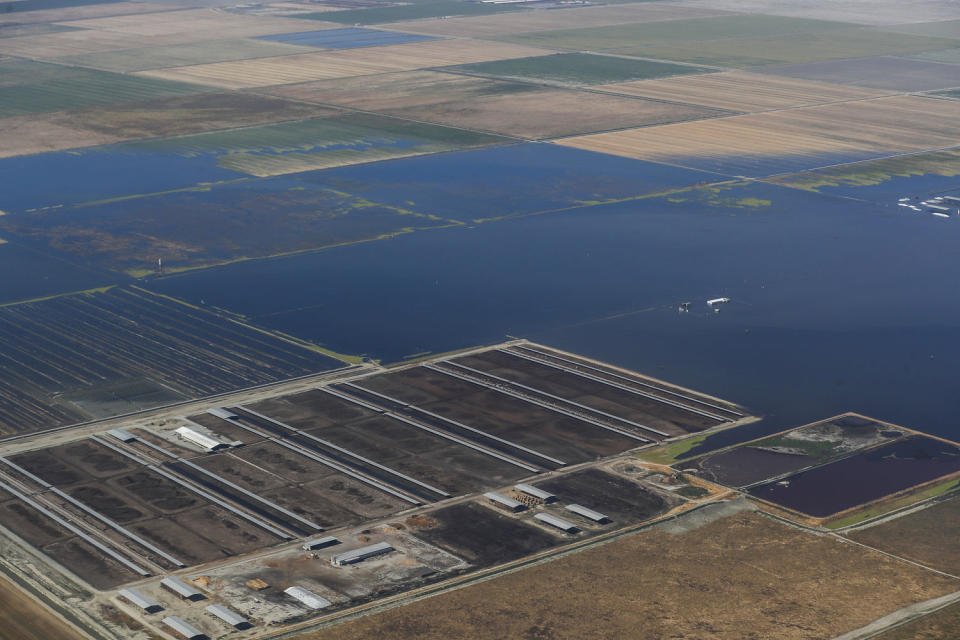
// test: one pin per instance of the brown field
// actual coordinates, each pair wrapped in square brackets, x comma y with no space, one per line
[179,115]
[739,91]
[199,24]
[71,43]
[743,576]
[928,536]
[941,625]
[508,23]
[21,618]
[82,12]
[341,64]
[884,125]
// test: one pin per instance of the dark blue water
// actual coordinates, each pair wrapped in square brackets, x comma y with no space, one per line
[836,306]
[26,274]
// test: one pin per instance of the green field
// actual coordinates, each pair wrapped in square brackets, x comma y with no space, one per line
[789,48]
[35,87]
[868,174]
[415,11]
[15,30]
[949,56]
[319,143]
[944,29]
[664,33]
[184,54]
[576,69]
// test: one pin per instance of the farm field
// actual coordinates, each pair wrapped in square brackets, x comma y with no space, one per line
[529,21]
[339,64]
[949,56]
[927,536]
[791,585]
[178,115]
[34,87]
[349,38]
[790,140]
[23,619]
[940,29]
[830,44]
[622,36]
[936,626]
[144,58]
[882,72]
[128,334]
[575,69]
[412,11]
[884,12]
[739,91]
[42,275]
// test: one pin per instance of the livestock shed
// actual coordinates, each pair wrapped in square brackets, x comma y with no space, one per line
[220,412]
[540,494]
[122,435]
[232,618]
[559,523]
[319,543]
[358,555]
[590,514]
[201,440]
[181,588]
[308,598]
[184,628]
[136,598]
[504,502]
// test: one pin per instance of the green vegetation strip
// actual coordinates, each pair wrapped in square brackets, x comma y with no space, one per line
[868,174]
[672,452]
[577,69]
[902,502]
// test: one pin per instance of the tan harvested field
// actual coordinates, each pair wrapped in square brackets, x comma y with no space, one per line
[882,125]
[928,536]
[743,576]
[71,43]
[179,115]
[506,23]
[199,24]
[739,91]
[341,64]
[21,618]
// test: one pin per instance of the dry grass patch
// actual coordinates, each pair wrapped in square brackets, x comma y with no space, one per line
[597,16]
[22,618]
[881,125]
[743,576]
[341,64]
[738,91]
[71,43]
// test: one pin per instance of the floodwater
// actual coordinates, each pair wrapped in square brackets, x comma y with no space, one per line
[861,478]
[837,305]
[28,274]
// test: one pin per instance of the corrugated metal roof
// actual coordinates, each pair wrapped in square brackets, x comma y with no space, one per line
[361,553]
[222,413]
[180,587]
[232,618]
[139,599]
[320,543]
[559,523]
[587,513]
[122,435]
[533,491]
[185,629]
[504,500]
[308,598]
[199,439]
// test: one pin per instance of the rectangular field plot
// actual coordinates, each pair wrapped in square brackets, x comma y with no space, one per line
[341,64]
[346,38]
[831,44]
[621,500]
[739,91]
[42,275]
[35,87]
[524,22]
[145,58]
[864,477]
[85,343]
[412,11]
[829,589]
[576,69]
[791,140]
[882,72]
[782,454]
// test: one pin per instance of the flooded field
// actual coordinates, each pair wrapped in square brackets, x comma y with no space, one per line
[863,477]
[39,275]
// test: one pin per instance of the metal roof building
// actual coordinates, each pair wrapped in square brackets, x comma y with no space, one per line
[220,412]
[201,440]
[352,557]
[232,618]
[504,501]
[181,588]
[185,629]
[596,516]
[531,490]
[135,597]
[554,521]
[308,598]
[319,543]
[122,435]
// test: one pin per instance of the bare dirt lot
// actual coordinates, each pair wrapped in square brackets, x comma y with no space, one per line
[789,585]
[928,536]
[21,618]
[622,500]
